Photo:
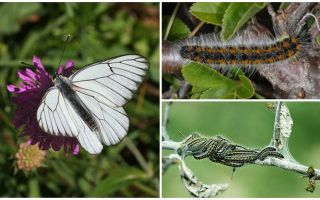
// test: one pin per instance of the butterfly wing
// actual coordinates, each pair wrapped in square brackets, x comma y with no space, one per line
[104,87]
[57,117]
[113,80]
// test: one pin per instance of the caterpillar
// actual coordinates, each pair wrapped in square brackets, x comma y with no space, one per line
[269,151]
[249,48]
[246,50]
[243,54]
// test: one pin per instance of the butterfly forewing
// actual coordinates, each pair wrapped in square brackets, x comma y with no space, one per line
[113,81]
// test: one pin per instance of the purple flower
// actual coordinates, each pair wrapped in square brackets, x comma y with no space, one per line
[28,96]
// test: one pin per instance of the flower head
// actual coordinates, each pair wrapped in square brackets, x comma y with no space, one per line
[28,96]
[29,156]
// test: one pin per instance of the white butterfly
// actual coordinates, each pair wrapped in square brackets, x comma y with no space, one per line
[88,104]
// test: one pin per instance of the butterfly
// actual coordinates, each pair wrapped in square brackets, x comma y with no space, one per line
[88,105]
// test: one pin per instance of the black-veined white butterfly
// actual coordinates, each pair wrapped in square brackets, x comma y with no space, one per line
[88,104]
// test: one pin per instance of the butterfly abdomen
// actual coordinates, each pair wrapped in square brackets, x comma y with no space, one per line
[64,86]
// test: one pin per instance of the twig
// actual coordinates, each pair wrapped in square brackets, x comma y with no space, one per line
[289,166]
[195,30]
[183,91]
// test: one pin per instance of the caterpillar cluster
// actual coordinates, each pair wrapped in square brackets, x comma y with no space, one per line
[221,150]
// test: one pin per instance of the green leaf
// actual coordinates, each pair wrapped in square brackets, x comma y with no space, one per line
[210,84]
[246,89]
[211,13]
[236,15]
[118,179]
[203,76]
[178,29]
[224,92]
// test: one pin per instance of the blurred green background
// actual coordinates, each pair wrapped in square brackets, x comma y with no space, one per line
[249,124]
[98,31]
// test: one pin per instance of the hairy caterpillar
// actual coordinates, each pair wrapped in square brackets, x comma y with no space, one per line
[247,50]
[248,53]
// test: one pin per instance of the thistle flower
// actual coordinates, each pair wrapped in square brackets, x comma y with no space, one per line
[28,96]
[29,156]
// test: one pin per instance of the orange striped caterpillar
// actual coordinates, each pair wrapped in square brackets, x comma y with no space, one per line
[249,54]
[246,49]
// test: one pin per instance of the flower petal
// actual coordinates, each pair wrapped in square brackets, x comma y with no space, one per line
[26,78]
[31,74]
[76,150]
[60,69]
[68,68]
[37,62]
[12,88]
[56,143]
[16,90]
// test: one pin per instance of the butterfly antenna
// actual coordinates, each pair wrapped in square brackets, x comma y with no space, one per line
[64,48]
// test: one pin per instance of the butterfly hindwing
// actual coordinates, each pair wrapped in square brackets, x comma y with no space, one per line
[113,122]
